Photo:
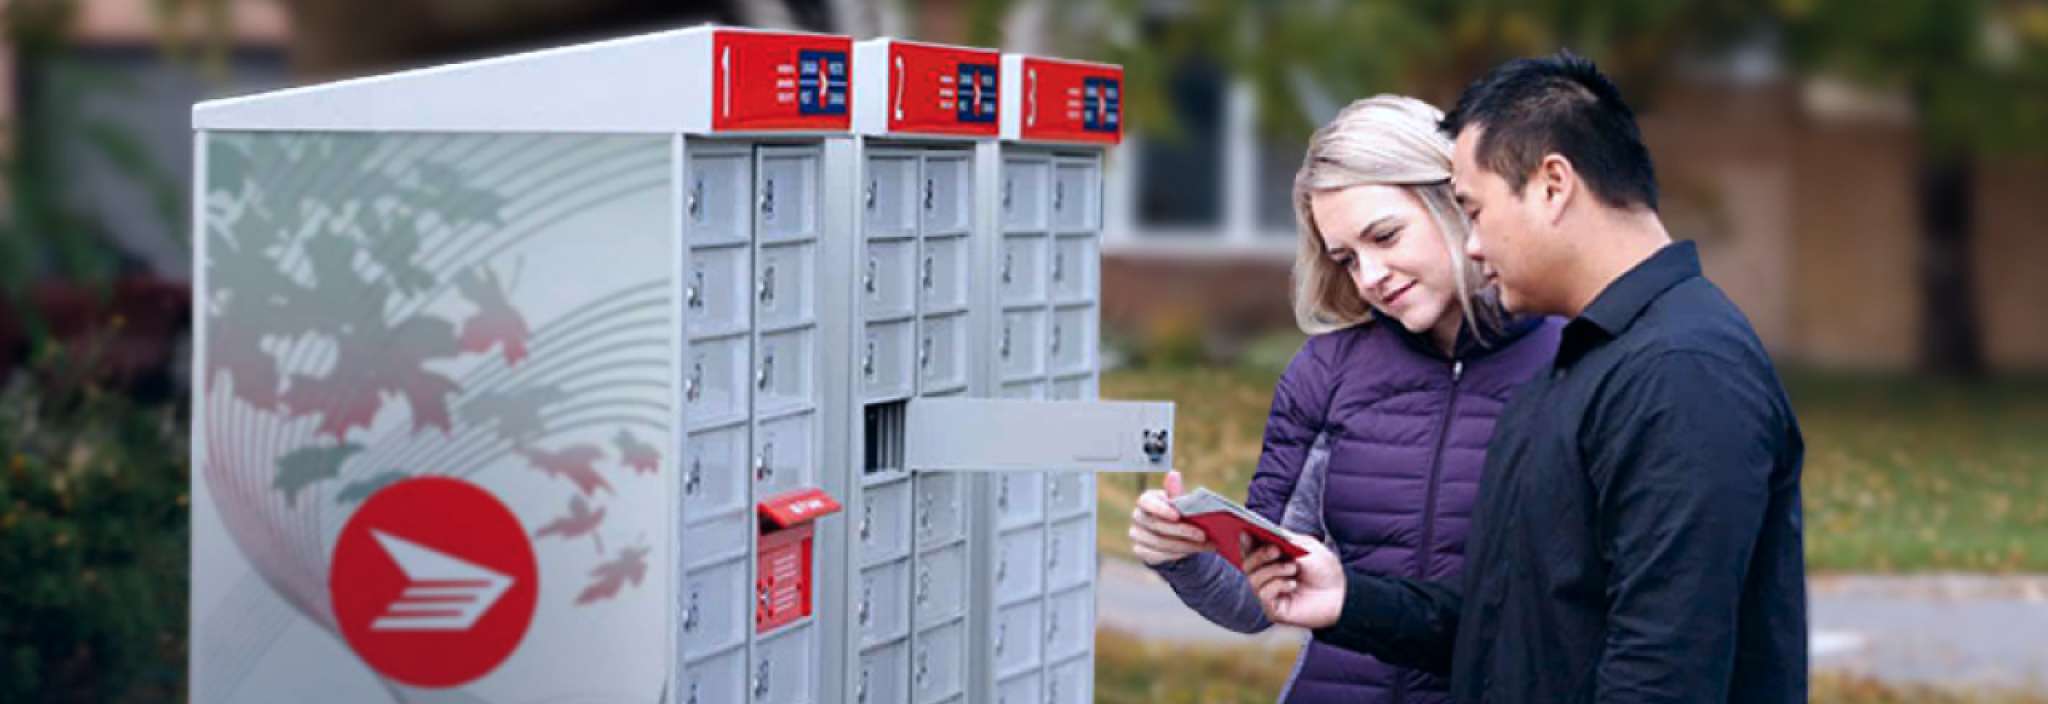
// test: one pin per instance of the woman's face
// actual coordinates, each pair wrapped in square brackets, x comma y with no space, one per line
[1394,252]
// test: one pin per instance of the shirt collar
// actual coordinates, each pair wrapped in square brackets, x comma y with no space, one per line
[1624,300]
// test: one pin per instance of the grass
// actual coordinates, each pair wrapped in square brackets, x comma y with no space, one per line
[1901,475]
[1129,670]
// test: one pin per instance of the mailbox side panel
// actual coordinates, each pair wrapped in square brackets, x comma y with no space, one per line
[433,361]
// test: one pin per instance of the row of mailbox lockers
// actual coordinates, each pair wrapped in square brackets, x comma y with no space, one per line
[907,192]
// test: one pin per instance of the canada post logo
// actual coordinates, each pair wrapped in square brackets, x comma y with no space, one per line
[433,582]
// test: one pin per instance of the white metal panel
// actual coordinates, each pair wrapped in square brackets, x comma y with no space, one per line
[783,669]
[714,472]
[1008,435]
[881,612]
[783,278]
[883,528]
[715,291]
[889,279]
[884,675]
[717,680]
[1014,640]
[715,383]
[937,662]
[716,605]
[653,83]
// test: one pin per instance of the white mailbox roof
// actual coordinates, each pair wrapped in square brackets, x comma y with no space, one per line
[652,83]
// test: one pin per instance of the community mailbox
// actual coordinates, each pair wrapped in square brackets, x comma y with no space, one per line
[665,369]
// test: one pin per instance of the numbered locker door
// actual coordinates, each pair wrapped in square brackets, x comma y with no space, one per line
[716,593]
[889,372]
[785,415]
[940,564]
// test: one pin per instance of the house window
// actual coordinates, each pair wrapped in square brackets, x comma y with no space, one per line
[1179,175]
[1278,158]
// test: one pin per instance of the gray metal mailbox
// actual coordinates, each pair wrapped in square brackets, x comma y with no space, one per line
[712,365]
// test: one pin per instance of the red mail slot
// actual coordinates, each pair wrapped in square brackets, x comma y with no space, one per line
[782,586]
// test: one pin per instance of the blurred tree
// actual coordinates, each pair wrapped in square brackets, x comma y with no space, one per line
[1975,74]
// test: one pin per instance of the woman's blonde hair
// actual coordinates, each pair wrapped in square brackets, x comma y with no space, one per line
[1385,140]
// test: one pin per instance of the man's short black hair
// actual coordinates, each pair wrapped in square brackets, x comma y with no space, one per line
[1557,104]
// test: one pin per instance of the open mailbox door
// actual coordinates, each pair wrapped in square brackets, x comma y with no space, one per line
[1010,435]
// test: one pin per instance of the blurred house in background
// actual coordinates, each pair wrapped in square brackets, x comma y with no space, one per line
[1800,191]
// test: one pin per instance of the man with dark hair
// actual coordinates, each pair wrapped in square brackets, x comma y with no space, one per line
[1637,535]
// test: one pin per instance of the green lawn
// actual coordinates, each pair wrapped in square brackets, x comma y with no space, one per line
[1902,474]
[1129,670]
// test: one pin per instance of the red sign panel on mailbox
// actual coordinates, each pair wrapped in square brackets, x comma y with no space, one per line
[942,89]
[1070,101]
[771,81]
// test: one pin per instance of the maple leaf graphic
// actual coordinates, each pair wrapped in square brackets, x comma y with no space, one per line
[640,456]
[374,360]
[300,468]
[495,322]
[580,521]
[631,564]
[360,489]
[576,462]
[516,412]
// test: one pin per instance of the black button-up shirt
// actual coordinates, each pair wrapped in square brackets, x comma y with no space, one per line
[1637,536]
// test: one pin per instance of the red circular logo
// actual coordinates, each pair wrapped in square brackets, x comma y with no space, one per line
[433,582]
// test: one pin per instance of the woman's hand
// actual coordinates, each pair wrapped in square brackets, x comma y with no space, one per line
[1307,591]
[1158,535]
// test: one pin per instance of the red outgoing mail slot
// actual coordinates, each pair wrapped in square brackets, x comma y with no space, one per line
[782,589]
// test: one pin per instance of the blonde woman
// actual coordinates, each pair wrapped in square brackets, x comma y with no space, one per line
[1379,425]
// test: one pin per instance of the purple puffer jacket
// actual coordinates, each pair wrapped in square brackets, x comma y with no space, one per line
[1392,435]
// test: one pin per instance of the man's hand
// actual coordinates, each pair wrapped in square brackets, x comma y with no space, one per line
[1307,591]
[1158,535]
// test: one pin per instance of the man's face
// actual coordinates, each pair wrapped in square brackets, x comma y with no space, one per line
[1509,235]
